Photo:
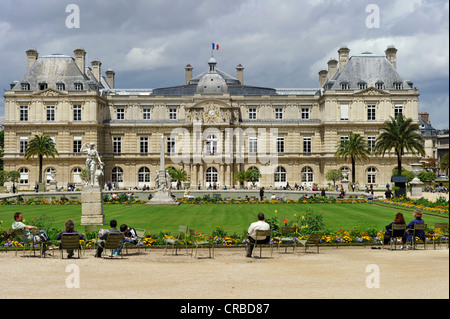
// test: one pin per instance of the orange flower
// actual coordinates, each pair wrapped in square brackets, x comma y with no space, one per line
[285,220]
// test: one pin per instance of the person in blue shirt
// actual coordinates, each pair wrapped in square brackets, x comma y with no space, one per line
[409,228]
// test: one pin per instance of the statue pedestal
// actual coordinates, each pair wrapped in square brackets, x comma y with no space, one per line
[416,188]
[92,206]
[163,197]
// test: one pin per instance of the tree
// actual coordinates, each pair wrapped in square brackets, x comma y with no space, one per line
[399,134]
[179,175]
[252,175]
[334,175]
[240,177]
[444,162]
[427,177]
[41,146]
[352,149]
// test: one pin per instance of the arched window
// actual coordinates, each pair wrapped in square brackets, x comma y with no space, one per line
[212,176]
[144,175]
[49,173]
[307,175]
[371,175]
[23,175]
[280,174]
[76,175]
[117,175]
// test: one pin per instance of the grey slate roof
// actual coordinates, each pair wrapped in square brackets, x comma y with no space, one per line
[367,68]
[55,68]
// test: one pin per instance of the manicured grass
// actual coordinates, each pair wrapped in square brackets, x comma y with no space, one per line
[205,218]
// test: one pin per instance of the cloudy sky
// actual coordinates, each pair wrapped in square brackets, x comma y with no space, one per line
[281,43]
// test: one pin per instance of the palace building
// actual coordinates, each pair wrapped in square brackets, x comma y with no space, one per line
[214,125]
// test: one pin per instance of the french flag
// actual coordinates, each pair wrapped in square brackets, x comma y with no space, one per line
[215,46]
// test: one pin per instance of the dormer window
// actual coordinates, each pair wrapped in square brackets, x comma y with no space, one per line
[345,85]
[379,85]
[362,85]
[398,85]
[25,86]
[42,86]
[60,86]
[78,86]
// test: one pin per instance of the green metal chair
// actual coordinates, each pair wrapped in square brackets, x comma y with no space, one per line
[313,240]
[398,231]
[260,234]
[414,241]
[198,241]
[114,241]
[69,242]
[175,242]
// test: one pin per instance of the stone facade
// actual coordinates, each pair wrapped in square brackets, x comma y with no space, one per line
[214,125]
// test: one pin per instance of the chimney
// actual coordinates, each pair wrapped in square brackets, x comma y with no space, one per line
[110,78]
[391,55]
[32,56]
[332,68]
[96,69]
[343,57]
[188,69]
[240,73]
[80,58]
[425,117]
[322,77]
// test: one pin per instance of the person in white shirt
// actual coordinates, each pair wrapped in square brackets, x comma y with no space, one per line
[259,225]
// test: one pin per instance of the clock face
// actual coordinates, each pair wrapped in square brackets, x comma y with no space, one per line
[211,112]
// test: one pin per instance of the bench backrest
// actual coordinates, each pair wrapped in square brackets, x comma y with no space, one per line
[288,230]
[263,233]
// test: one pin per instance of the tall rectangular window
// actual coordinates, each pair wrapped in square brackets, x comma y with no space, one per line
[371,141]
[117,145]
[77,113]
[23,143]
[146,114]
[24,113]
[371,112]
[143,145]
[50,113]
[305,113]
[280,145]
[252,145]
[307,145]
[171,145]
[252,114]
[398,110]
[344,112]
[77,144]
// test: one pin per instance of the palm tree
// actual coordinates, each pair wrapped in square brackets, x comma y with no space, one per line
[41,146]
[399,134]
[353,148]
[179,175]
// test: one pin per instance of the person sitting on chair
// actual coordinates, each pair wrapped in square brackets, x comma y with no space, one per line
[259,225]
[27,236]
[104,236]
[410,227]
[130,236]
[69,225]
[398,220]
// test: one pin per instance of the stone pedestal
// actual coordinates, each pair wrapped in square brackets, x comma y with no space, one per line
[416,188]
[92,206]
[162,197]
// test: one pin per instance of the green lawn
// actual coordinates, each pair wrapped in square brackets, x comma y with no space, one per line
[205,218]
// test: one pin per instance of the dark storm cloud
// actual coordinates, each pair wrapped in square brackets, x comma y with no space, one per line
[281,43]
